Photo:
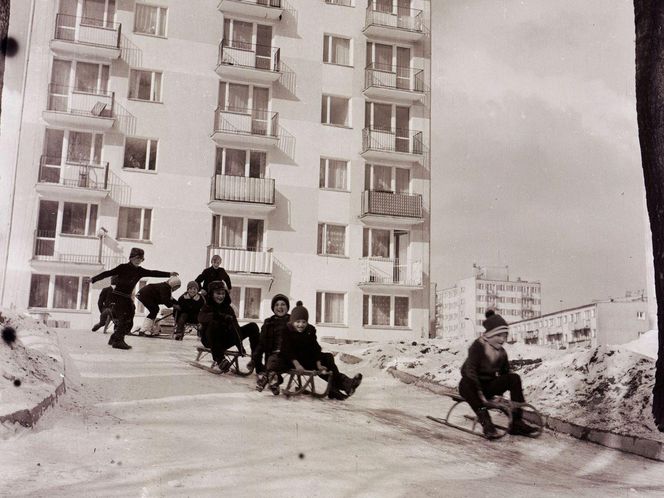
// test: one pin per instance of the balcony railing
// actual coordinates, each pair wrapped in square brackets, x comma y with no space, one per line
[393,78]
[402,18]
[243,189]
[390,271]
[391,204]
[240,260]
[76,249]
[90,103]
[242,121]
[392,140]
[249,55]
[87,30]
[70,173]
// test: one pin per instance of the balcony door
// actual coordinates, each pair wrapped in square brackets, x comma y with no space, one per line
[260,119]
[403,68]
[264,47]
[47,222]
[58,95]
[401,243]
[402,125]
[50,170]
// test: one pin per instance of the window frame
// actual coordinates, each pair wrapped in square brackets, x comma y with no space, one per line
[322,237]
[324,174]
[244,246]
[320,308]
[132,84]
[328,41]
[162,20]
[142,224]
[367,312]
[326,109]
[148,154]
[83,302]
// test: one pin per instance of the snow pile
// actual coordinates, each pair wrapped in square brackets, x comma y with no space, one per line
[31,368]
[646,344]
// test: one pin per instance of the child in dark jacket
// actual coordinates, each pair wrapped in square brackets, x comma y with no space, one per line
[151,296]
[221,329]
[269,344]
[105,305]
[300,350]
[128,276]
[189,306]
[211,274]
[486,373]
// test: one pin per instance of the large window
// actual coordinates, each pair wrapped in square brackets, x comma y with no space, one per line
[150,20]
[376,243]
[59,292]
[240,162]
[331,308]
[385,311]
[336,50]
[134,223]
[238,233]
[140,153]
[331,239]
[145,85]
[333,174]
[335,110]
[387,179]
[247,301]
[79,219]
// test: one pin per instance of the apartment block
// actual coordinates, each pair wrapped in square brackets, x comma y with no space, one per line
[290,137]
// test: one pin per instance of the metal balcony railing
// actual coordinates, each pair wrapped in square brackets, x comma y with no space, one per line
[242,189]
[77,250]
[391,204]
[242,121]
[264,3]
[241,260]
[87,30]
[68,99]
[393,78]
[399,18]
[390,271]
[392,140]
[249,55]
[73,173]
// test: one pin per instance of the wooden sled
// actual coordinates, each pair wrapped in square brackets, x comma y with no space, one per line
[303,382]
[240,364]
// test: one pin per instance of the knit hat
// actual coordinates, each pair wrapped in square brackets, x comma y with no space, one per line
[299,313]
[193,284]
[174,282]
[216,285]
[279,297]
[136,251]
[494,324]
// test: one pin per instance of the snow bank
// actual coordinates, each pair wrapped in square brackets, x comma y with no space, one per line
[646,344]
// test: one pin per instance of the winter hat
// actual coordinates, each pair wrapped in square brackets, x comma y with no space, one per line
[279,297]
[299,313]
[216,285]
[136,251]
[174,282]
[494,324]
[193,284]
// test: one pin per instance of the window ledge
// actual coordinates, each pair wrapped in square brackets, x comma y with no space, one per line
[58,310]
[138,241]
[341,190]
[134,99]
[332,125]
[391,327]
[335,325]
[140,170]
[338,64]
[163,37]
[336,256]
[77,236]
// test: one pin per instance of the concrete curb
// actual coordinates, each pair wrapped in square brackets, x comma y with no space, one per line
[29,417]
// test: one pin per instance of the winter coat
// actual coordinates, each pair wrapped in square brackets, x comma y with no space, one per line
[128,276]
[301,346]
[104,298]
[160,293]
[271,336]
[191,306]
[210,275]
[221,317]
[484,364]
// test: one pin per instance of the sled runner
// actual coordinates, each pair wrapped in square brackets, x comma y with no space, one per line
[461,416]
[163,328]
[302,382]
[238,363]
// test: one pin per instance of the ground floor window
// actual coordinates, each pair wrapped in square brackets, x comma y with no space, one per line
[385,311]
[68,292]
[331,308]
[247,301]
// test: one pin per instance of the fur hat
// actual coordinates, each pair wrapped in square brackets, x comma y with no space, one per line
[279,297]
[299,313]
[216,285]
[136,251]
[494,324]
[193,284]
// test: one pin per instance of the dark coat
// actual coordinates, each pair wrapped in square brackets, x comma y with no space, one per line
[128,276]
[219,318]
[301,346]
[210,275]
[191,306]
[479,368]
[160,293]
[104,298]
[272,332]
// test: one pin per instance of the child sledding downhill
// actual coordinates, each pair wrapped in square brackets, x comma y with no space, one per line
[486,373]
[128,275]
[189,306]
[269,344]
[153,295]
[220,328]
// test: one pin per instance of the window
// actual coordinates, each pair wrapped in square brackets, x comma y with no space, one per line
[38,291]
[238,233]
[82,147]
[91,78]
[386,311]
[247,301]
[150,20]
[334,111]
[95,12]
[79,219]
[640,315]
[331,239]
[140,153]
[376,243]
[333,174]
[238,162]
[145,85]
[336,50]
[331,308]
[59,291]
[134,223]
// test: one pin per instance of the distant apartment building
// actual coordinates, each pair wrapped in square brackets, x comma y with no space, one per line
[460,309]
[290,137]
[614,321]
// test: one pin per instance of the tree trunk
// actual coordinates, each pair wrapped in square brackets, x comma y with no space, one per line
[649,21]
[4,28]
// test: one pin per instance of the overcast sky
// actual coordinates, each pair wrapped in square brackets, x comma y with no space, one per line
[535,155]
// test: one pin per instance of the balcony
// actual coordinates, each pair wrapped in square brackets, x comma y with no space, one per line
[402,24]
[234,127]
[65,179]
[241,195]
[67,252]
[87,38]
[84,110]
[385,274]
[270,10]
[402,85]
[253,265]
[247,62]
[379,207]
[396,144]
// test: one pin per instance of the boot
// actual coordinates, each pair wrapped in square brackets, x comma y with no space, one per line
[336,394]
[488,428]
[519,427]
[146,328]
[274,383]
[97,326]
[261,382]
[354,384]
[121,344]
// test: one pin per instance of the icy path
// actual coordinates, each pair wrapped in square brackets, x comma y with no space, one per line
[144,423]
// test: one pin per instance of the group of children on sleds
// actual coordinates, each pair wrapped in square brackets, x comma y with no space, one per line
[287,341]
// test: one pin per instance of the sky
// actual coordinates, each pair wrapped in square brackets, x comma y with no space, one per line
[535,156]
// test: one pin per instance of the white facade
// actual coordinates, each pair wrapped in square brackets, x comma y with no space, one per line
[290,137]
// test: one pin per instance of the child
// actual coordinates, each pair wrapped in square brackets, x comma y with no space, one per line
[300,349]
[269,344]
[221,329]
[212,274]
[152,295]
[105,305]
[189,305]
[128,276]
[486,373]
